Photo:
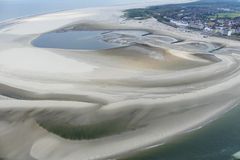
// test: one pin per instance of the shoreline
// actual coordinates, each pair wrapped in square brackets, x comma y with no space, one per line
[159,102]
[119,6]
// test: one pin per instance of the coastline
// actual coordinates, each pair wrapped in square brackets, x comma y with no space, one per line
[38,73]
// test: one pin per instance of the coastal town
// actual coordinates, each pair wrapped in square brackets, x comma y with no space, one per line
[210,18]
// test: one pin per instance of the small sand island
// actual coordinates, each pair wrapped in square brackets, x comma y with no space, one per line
[77,85]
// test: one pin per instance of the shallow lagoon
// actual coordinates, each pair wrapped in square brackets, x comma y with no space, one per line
[85,40]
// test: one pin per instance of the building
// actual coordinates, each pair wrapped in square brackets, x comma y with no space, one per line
[198,26]
[227,32]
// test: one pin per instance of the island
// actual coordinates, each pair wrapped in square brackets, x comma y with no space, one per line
[108,83]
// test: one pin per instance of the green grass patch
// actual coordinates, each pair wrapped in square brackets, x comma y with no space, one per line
[228,15]
[137,13]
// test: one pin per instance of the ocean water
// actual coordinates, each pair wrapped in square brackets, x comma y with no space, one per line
[20,8]
[216,141]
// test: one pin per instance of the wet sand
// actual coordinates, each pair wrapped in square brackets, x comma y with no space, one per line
[151,90]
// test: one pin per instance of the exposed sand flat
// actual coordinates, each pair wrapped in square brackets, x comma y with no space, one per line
[236,155]
[30,60]
[3,97]
[44,23]
[49,22]
[58,104]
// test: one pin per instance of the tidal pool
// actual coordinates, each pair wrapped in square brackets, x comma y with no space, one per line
[87,40]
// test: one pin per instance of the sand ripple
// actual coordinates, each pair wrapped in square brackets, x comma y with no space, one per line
[68,104]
